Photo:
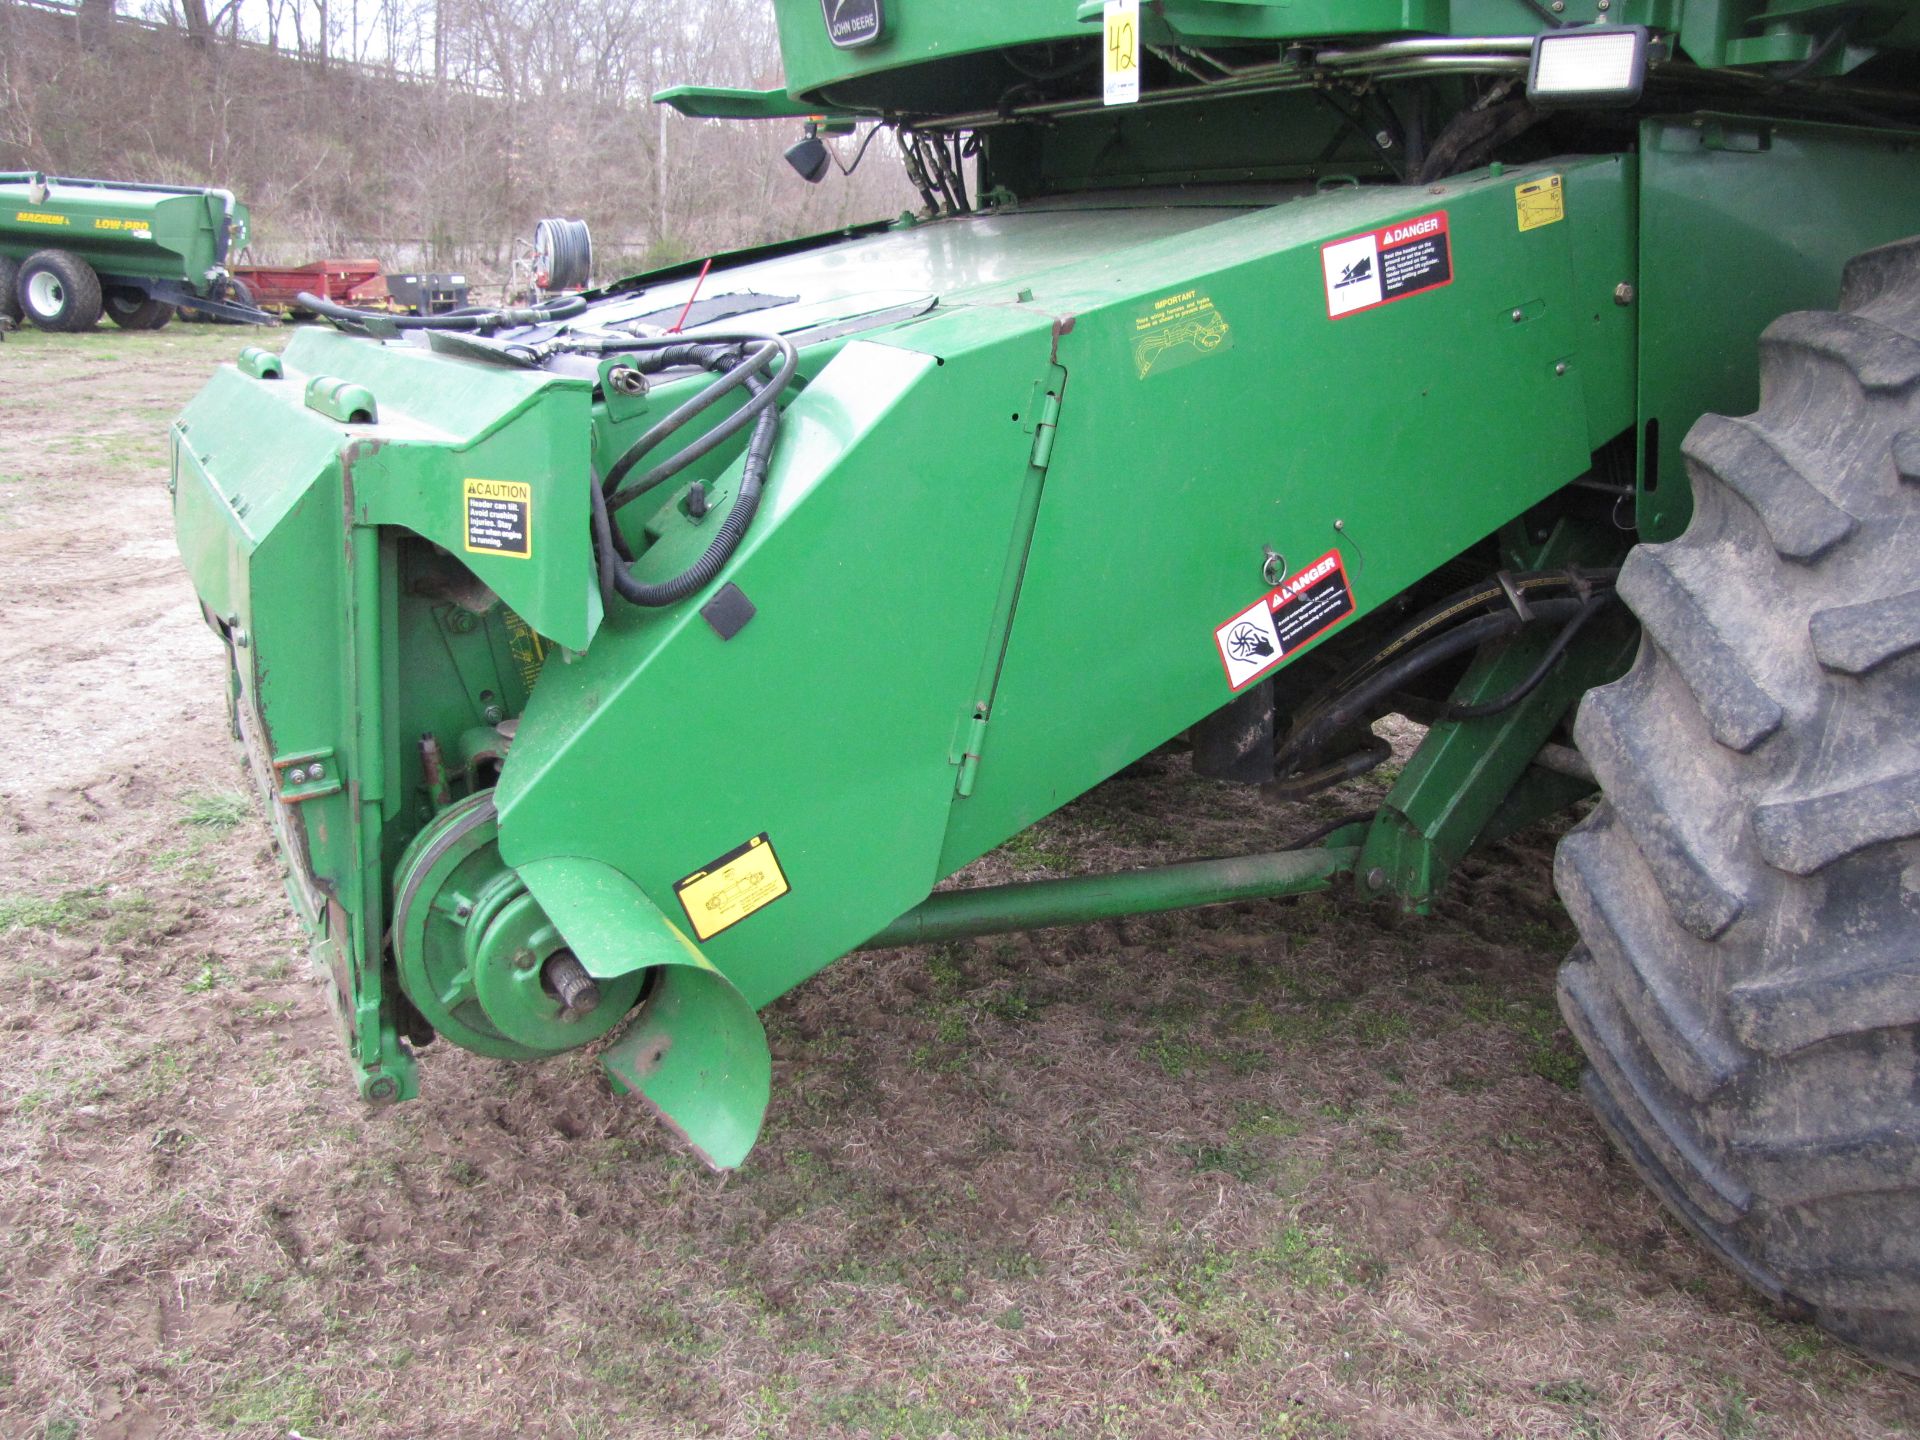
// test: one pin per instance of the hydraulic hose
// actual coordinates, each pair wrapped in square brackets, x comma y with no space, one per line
[738,372]
[732,530]
[563,307]
[1539,673]
[1352,705]
[740,359]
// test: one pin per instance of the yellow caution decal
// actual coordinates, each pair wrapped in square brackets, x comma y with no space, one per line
[731,888]
[499,518]
[1540,202]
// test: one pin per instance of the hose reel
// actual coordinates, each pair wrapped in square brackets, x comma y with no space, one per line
[562,255]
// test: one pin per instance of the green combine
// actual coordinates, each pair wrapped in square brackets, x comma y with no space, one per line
[1253,370]
[71,250]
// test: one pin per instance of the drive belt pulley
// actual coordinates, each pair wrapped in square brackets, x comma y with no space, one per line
[480,959]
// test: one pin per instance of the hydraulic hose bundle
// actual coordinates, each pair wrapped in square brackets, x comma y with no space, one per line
[762,365]
[379,322]
[1464,621]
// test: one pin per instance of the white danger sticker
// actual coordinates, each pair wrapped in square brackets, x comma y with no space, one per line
[1398,260]
[1248,643]
[1291,615]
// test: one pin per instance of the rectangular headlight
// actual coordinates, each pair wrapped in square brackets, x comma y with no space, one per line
[1588,66]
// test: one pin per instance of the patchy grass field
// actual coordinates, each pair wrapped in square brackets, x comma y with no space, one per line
[1283,1169]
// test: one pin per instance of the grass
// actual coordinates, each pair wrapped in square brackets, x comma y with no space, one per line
[117,917]
[216,809]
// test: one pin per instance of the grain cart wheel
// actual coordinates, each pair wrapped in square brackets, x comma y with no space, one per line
[9,301]
[238,293]
[59,291]
[131,310]
[1748,894]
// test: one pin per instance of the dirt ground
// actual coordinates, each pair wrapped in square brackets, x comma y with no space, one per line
[1281,1169]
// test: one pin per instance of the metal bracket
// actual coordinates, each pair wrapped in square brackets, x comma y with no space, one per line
[306,776]
[1473,781]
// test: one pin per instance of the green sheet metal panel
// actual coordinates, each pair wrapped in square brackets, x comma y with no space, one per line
[1742,221]
[1395,436]
[826,723]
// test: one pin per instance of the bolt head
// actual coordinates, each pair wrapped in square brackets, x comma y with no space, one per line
[1518,316]
[316,772]
[241,640]
[525,960]
[493,714]
[1376,878]
[296,776]
[1623,294]
[1560,367]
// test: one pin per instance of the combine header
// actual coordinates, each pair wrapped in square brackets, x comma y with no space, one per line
[1253,370]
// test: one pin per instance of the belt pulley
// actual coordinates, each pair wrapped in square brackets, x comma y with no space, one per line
[480,959]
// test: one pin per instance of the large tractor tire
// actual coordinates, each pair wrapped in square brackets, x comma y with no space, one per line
[1747,989]
[132,310]
[9,301]
[59,291]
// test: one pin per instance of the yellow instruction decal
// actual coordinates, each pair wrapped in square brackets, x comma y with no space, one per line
[731,888]
[1177,330]
[500,518]
[1540,202]
[528,651]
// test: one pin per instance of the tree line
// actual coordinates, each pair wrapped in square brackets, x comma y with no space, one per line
[429,132]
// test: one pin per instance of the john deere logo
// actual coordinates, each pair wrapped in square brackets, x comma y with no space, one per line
[853,22]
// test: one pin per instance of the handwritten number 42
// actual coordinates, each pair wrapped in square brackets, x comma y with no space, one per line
[1120,43]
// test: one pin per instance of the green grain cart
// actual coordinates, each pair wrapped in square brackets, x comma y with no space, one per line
[1547,371]
[71,249]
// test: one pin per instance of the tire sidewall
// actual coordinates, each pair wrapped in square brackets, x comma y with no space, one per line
[58,291]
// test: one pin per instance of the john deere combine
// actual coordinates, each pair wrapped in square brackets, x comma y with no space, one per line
[1254,369]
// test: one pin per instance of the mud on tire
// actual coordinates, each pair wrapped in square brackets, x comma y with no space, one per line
[1747,989]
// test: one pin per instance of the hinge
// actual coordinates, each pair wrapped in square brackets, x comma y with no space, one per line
[1043,431]
[968,758]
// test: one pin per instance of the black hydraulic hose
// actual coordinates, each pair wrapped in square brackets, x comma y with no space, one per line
[1526,687]
[1331,827]
[743,371]
[1351,706]
[1463,602]
[917,170]
[563,307]
[1372,754]
[732,530]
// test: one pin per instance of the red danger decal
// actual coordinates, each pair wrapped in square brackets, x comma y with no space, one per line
[1291,615]
[1408,257]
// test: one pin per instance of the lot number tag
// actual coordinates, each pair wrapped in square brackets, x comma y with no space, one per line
[1122,51]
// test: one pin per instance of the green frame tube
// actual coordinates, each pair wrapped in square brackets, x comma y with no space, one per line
[996,909]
